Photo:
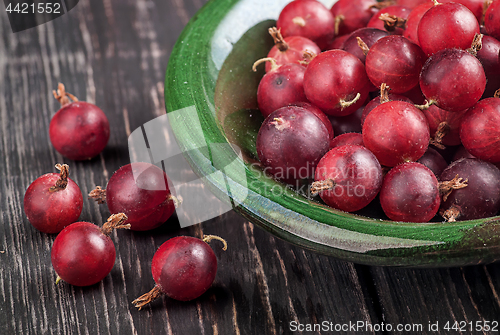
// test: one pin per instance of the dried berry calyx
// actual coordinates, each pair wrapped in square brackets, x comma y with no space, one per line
[115,221]
[391,22]
[146,298]
[442,130]
[477,44]
[62,182]
[451,214]
[62,96]
[307,56]
[98,194]
[364,47]
[384,93]
[321,185]
[446,187]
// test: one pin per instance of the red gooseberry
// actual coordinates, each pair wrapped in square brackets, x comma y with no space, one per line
[396,132]
[307,18]
[140,190]
[347,178]
[453,79]
[290,49]
[336,82]
[83,254]
[410,193]
[290,143]
[79,130]
[282,85]
[479,130]
[183,268]
[446,25]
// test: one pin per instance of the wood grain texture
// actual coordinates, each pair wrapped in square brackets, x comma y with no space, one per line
[114,53]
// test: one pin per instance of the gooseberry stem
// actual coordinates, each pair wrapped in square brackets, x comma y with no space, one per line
[364,47]
[451,214]
[62,182]
[321,185]
[428,103]
[279,41]
[446,187]
[442,130]
[477,44]
[391,22]
[177,200]
[115,221]
[274,65]
[146,298]
[345,104]
[384,93]
[62,96]
[98,194]
[338,21]
[208,238]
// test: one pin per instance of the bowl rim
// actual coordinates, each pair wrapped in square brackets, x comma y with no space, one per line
[189,78]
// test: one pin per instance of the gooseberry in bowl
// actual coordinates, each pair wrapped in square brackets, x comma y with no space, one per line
[217,85]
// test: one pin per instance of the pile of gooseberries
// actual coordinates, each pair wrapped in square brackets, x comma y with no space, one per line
[138,198]
[411,92]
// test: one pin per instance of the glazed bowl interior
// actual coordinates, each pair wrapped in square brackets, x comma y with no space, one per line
[209,79]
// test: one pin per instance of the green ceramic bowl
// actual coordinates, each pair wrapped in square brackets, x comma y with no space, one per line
[209,74]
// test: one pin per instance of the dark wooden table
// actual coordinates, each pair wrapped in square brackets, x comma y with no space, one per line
[114,53]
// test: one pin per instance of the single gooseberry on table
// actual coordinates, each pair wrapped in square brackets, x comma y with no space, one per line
[183,268]
[140,190]
[83,254]
[53,201]
[79,130]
